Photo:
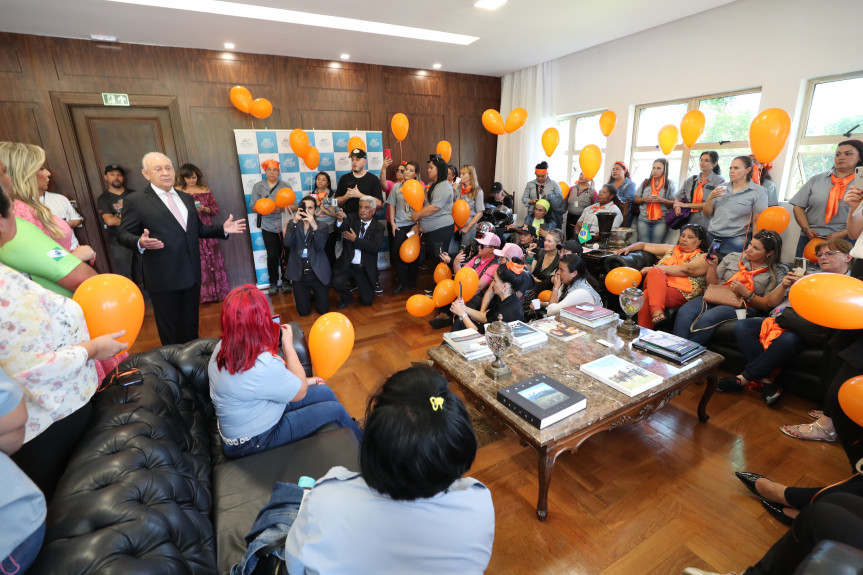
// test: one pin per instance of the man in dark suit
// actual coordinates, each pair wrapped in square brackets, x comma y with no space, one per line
[163,226]
[308,267]
[363,236]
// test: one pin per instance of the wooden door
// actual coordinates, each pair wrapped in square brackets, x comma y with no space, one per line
[117,135]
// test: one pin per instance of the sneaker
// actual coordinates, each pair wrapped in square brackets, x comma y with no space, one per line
[729,384]
[273,290]
[441,322]
[429,292]
[379,288]
[287,287]
[771,392]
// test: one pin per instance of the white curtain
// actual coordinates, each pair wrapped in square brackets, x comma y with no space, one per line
[518,153]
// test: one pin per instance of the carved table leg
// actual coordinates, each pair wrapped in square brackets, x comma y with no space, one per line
[712,382]
[545,463]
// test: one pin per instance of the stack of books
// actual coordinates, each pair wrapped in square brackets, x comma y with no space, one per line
[668,346]
[621,375]
[590,315]
[524,336]
[541,400]
[468,343]
[558,329]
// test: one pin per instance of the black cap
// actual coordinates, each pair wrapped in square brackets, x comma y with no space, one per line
[572,246]
[496,187]
[542,165]
[114,168]
[358,152]
[530,230]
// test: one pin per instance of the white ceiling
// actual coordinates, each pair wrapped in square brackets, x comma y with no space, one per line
[519,34]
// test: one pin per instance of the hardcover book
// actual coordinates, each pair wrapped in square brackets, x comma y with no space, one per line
[469,343]
[524,335]
[541,400]
[668,342]
[558,329]
[621,375]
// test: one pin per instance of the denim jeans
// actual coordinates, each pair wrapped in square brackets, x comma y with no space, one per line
[23,556]
[714,315]
[761,362]
[301,419]
[651,232]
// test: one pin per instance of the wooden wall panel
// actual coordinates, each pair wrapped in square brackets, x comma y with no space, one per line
[305,93]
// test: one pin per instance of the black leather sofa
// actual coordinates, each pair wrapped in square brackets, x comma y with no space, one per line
[148,489]
[801,376]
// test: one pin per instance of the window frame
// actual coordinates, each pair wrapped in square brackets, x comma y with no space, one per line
[572,167]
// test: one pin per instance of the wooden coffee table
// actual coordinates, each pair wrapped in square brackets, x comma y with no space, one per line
[606,409]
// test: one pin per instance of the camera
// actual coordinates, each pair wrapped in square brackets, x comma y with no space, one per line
[331,202]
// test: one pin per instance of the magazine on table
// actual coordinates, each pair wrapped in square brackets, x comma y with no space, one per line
[621,375]
[556,328]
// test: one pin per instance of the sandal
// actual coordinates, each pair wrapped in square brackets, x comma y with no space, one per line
[797,432]
[730,384]
[816,413]
[771,392]
[657,317]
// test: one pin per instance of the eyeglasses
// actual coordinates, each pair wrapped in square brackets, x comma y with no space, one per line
[401,170]
[830,253]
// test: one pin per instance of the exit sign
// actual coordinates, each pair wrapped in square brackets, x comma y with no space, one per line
[115,99]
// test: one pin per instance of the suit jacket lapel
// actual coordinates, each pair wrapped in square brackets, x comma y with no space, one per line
[154,198]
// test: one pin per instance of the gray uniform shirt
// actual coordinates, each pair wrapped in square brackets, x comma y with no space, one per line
[762,282]
[644,192]
[441,196]
[551,192]
[713,181]
[403,211]
[812,197]
[272,222]
[733,212]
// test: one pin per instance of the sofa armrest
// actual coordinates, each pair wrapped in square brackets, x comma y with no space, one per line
[831,558]
[635,260]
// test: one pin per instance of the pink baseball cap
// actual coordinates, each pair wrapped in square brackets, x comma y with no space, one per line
[489,240]
[509,251]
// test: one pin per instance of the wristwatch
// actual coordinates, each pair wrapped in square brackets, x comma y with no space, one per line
[750,296]
[463,317]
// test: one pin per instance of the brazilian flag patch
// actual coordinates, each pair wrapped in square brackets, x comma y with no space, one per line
[57,254]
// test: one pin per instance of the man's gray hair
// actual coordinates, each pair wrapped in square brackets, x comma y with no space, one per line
[369,200]
[152,155]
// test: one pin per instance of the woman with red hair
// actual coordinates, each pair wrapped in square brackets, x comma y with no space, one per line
[262,400]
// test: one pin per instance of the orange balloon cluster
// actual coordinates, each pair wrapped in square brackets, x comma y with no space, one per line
[444,148]
[469,281]
[414,194]
[831,300]
[493,122]
[242,100]
[445,293]
[607,122]
[420,305]
[620,279]
[299,141]
[410,249]
[355,142]
[809,249]
[691,127]
[564,189]
[442,272]
[550,140]
[400,126]
[284,198]
[312,158]
[111,303]
[265,206]
[330,343]
[775,219]
[589,160]
[667,138]
[515,120]
[768,133]
[460,212]
[851,399]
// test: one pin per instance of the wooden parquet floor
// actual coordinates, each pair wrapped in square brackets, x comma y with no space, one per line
[652,498]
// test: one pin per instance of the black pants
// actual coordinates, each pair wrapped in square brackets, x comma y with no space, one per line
[122,257]
[572,227]
[436,241]
[277,256]
[838,517]
[365,286]
[303,290]
[44,457]
[406,273]
[176,314]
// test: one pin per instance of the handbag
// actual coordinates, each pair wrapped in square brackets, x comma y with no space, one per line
[811,333]
[723,295]
[675,222]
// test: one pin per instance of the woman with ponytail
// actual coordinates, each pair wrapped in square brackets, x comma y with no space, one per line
[695,189]
[655,197]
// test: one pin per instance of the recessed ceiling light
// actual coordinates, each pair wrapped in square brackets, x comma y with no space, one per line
[229,46]
[436,66]
[490,4]
[253,12]
[103,38]
[346,56]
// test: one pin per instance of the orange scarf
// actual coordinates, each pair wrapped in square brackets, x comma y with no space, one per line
[745,276]
[678,258]
[698,193]
[837,192]
[515,268]
[465,190]
[654,209]
[769,331]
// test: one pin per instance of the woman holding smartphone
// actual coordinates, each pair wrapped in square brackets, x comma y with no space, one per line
[655,197]
[434,220]
[328,207]
[309,270]
[695,189]
[733,208]
[399,217]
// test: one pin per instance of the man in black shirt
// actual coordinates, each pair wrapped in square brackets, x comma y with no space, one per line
[110,205]
[357,184]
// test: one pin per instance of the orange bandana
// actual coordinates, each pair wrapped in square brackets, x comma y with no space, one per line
[837,192]
[698,193]
[465,190]
[514,267]
[769,331]
[745,276]
[654,209]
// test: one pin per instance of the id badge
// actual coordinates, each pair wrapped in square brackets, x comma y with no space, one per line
[305,253]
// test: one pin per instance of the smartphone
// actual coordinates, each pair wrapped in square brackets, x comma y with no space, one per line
[858,178]
[459,290]
[277,319]
[131,377]
[800,265]
[714,248]
[388,154]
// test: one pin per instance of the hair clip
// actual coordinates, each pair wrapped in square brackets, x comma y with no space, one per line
[436,403]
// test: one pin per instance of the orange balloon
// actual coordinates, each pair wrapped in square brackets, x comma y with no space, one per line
[775,219]
[356,142]
[460,212]
[607,122]
[550,140]
[442,272]
[768,133]
[544,295]
[667,138]
[445,293]
[299,142]
[111,303]
[515,120]
[400,126]
[444,148]
[691,126]
[469,281]
[493,122]
[265,206]
[831,300]
[241,98]
[420,305]
[619,279]
[261,108]
[851,399]
[410,249]
[589,160]
[564,189]
[284,198]
[809,249]
[330,343]
[414,194]
[312,158]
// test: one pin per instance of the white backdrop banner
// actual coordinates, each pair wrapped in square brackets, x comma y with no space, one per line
[257,146]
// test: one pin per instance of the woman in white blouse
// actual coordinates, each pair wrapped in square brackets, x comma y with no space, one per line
[572,285]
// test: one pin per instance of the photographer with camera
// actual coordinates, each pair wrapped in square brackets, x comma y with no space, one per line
[326,214]
[309,270]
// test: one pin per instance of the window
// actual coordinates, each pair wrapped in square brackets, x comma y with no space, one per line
[576,132]
[832,114]
[726,131]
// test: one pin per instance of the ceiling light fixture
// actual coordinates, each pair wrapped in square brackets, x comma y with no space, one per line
[436,66]
[229,46]
[490,4]
[103,38]
[304,19]
[346,56]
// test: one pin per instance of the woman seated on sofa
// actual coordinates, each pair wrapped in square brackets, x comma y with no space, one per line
[544,266]
[261,400]
[572,285]
[677,277]
[506,302]
[409,510]
[750,275]
[606,202]
[539,219]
